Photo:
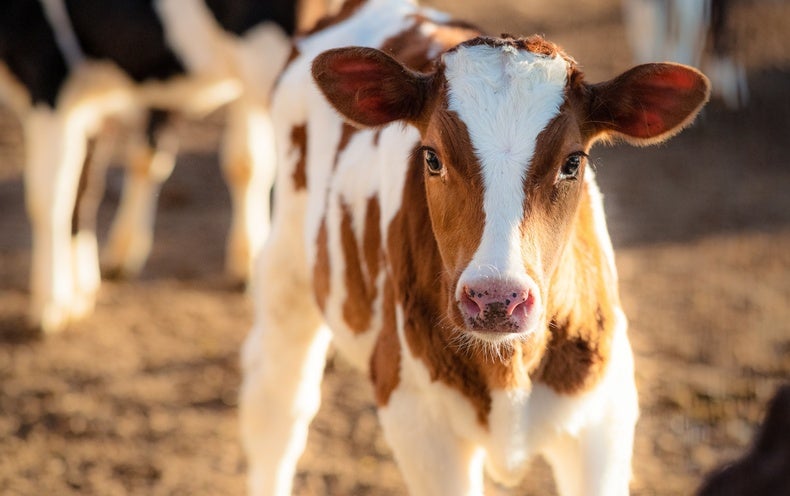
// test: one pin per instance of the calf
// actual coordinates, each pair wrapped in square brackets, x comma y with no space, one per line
[447,227]
[68,65]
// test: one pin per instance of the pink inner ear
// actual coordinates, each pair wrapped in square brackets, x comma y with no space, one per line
[661,101]
[349,66]
[360,83]
[677,78]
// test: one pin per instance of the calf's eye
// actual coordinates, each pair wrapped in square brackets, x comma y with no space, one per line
[570,169]
[432,162]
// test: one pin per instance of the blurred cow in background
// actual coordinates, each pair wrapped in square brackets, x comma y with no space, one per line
[690,32]
[70,67]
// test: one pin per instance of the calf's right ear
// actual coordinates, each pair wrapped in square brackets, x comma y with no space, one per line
[369,87]
[648,103]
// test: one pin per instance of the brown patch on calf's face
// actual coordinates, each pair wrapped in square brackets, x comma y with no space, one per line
[551,201]
[581,303]
[420,290]
[299,145]
[454,197]
[360,284]
[581,293]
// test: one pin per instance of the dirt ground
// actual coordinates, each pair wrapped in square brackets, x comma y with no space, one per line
[140,398]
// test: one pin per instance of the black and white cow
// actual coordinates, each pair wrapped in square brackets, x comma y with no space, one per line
[66,66]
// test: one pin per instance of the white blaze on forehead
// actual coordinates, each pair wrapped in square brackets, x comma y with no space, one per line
[505,97]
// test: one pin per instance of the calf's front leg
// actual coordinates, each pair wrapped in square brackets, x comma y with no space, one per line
[433,459]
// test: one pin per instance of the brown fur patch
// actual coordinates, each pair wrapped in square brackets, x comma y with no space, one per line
[581,304]
[412,48]
[299,144]
[360,286]
[78,217]
[386,357]
[421,291]
[322,268]
[581,296]
[535,44]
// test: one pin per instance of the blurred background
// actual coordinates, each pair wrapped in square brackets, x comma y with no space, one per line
[140,398]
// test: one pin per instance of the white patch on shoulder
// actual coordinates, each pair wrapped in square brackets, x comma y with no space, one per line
[506,97]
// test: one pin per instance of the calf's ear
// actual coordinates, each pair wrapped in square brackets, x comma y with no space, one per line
[648,103]
[369,87]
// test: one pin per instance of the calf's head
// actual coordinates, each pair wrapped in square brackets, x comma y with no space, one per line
[506,125]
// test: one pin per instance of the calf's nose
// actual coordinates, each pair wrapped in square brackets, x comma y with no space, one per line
[498,305]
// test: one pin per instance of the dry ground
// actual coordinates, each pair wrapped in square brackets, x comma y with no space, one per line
[141,397]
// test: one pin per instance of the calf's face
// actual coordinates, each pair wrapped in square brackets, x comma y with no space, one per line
[506,125]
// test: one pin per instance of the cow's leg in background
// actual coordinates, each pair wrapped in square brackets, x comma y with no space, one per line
[85,252]
[55,144]
[248,163]
[691,19]
[646,28]
[727,74]
[249,155]
[150,160]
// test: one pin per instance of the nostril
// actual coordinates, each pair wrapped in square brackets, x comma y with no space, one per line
[498,305]
[469,304]
[522,309]
[519,303]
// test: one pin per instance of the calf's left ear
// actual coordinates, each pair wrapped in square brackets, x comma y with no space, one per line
[648,103]
[369,87]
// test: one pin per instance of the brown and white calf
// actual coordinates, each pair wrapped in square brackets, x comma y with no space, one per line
[450,233]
